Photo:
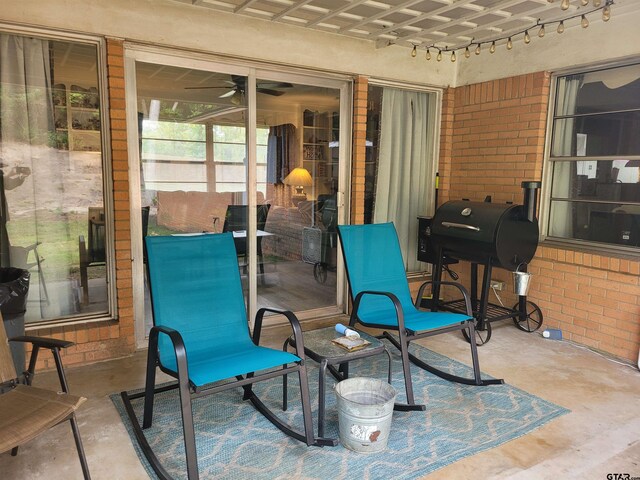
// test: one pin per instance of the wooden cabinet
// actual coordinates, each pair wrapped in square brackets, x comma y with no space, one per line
[77,118]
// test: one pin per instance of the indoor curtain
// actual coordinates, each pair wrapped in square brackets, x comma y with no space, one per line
[31,169]
[564,141]
[281,152]
[402,177]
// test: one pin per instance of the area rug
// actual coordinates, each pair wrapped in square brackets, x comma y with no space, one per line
[234,441]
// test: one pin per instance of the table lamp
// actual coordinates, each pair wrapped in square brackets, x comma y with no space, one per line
[299,178]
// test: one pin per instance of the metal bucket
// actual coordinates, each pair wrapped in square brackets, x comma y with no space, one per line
[521,282]
[365,408]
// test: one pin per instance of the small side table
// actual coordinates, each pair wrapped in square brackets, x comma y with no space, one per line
[319,347]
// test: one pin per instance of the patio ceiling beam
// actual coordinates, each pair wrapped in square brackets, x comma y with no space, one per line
[244,6]
[292,8]
[334,13]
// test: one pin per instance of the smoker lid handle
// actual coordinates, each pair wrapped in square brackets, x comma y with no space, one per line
[460,225]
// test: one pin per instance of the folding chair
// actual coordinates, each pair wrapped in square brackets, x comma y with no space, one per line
[201,336]
[26,411]
[381,299]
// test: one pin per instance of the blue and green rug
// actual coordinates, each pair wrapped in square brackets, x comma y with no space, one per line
[234,441]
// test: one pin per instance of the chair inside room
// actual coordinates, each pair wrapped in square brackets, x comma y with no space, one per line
[27,411]
[201,337]
[382,299]
[92,249]
[236,220]
[29,259]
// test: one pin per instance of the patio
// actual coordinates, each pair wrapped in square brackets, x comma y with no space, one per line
[596,438]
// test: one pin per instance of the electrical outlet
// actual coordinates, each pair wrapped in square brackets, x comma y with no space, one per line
[497,285]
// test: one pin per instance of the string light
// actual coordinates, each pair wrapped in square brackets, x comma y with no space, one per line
[541,32]
[584,22]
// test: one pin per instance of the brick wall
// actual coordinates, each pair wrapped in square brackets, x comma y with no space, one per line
[110,338]
[496,132]
[361,86]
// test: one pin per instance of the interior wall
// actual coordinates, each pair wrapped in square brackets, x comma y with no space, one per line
[164,22]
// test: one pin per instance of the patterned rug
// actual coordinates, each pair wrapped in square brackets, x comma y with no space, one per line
[234,441]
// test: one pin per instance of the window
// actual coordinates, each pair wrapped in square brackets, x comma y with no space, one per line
[595,158]
[400,163]
[53,222]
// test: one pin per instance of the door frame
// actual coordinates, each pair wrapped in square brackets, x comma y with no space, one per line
[252,70]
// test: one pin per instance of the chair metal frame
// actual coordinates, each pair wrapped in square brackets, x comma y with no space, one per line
[55,345]
[188,390]
[406,335]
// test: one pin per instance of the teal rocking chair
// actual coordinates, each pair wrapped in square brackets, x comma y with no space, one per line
[381,299]
[201,337]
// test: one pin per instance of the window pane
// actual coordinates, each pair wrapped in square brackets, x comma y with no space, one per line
[226,152]
[604,180]
[602,223]
[597,135]
[51,174]
[173,150]
[600,91]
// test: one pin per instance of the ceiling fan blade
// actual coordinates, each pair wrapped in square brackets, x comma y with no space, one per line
[228,94]
[274,85]
[268,91]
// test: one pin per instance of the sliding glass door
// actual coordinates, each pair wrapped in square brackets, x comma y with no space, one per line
[224,148]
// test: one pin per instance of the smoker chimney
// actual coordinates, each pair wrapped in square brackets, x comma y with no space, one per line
[530,202]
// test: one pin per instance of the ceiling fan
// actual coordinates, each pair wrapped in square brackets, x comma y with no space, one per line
[238,84]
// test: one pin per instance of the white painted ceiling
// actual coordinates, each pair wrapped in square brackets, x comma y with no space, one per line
[445,24]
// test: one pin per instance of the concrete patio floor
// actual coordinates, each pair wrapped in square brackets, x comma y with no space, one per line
[601,435]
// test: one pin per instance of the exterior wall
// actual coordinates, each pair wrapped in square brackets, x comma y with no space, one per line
[497,141]
[360,94]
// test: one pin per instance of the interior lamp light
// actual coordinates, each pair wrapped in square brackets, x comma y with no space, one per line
[299,178]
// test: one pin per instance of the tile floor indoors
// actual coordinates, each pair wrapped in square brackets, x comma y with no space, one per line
[601,435]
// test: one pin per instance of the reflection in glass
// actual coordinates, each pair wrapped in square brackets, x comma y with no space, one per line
[52,220]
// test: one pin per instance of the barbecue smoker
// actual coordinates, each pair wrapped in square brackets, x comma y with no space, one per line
[488,234]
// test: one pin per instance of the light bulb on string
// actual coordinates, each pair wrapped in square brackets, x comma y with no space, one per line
[597,3]
[561,27]
[439,57]
[606,13]
[509,44]
[428,55]
[467,53]
[527,37]
[584,2]
[541,32]
[584,22]
[414,51]
[478,50]
[492,49]
[565,4]
[453,56]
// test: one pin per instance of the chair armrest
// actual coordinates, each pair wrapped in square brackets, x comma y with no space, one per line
[463,290]
[295,326]
[178,347]
[42,341]
[394,299]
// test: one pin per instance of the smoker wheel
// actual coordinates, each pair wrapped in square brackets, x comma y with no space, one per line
[533,320]
[482,336]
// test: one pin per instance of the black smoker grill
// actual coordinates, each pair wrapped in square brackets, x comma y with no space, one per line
[488,234]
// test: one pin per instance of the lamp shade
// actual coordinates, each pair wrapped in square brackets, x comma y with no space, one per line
[299,177]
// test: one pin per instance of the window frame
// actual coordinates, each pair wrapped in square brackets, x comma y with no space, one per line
[107,174]
[549,161]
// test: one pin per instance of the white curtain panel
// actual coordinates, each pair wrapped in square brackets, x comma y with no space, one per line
[404,166]
[564,139]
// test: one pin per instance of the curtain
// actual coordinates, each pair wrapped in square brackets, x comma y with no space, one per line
[30,167]
[564,144]
[403,166]
[282,151]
